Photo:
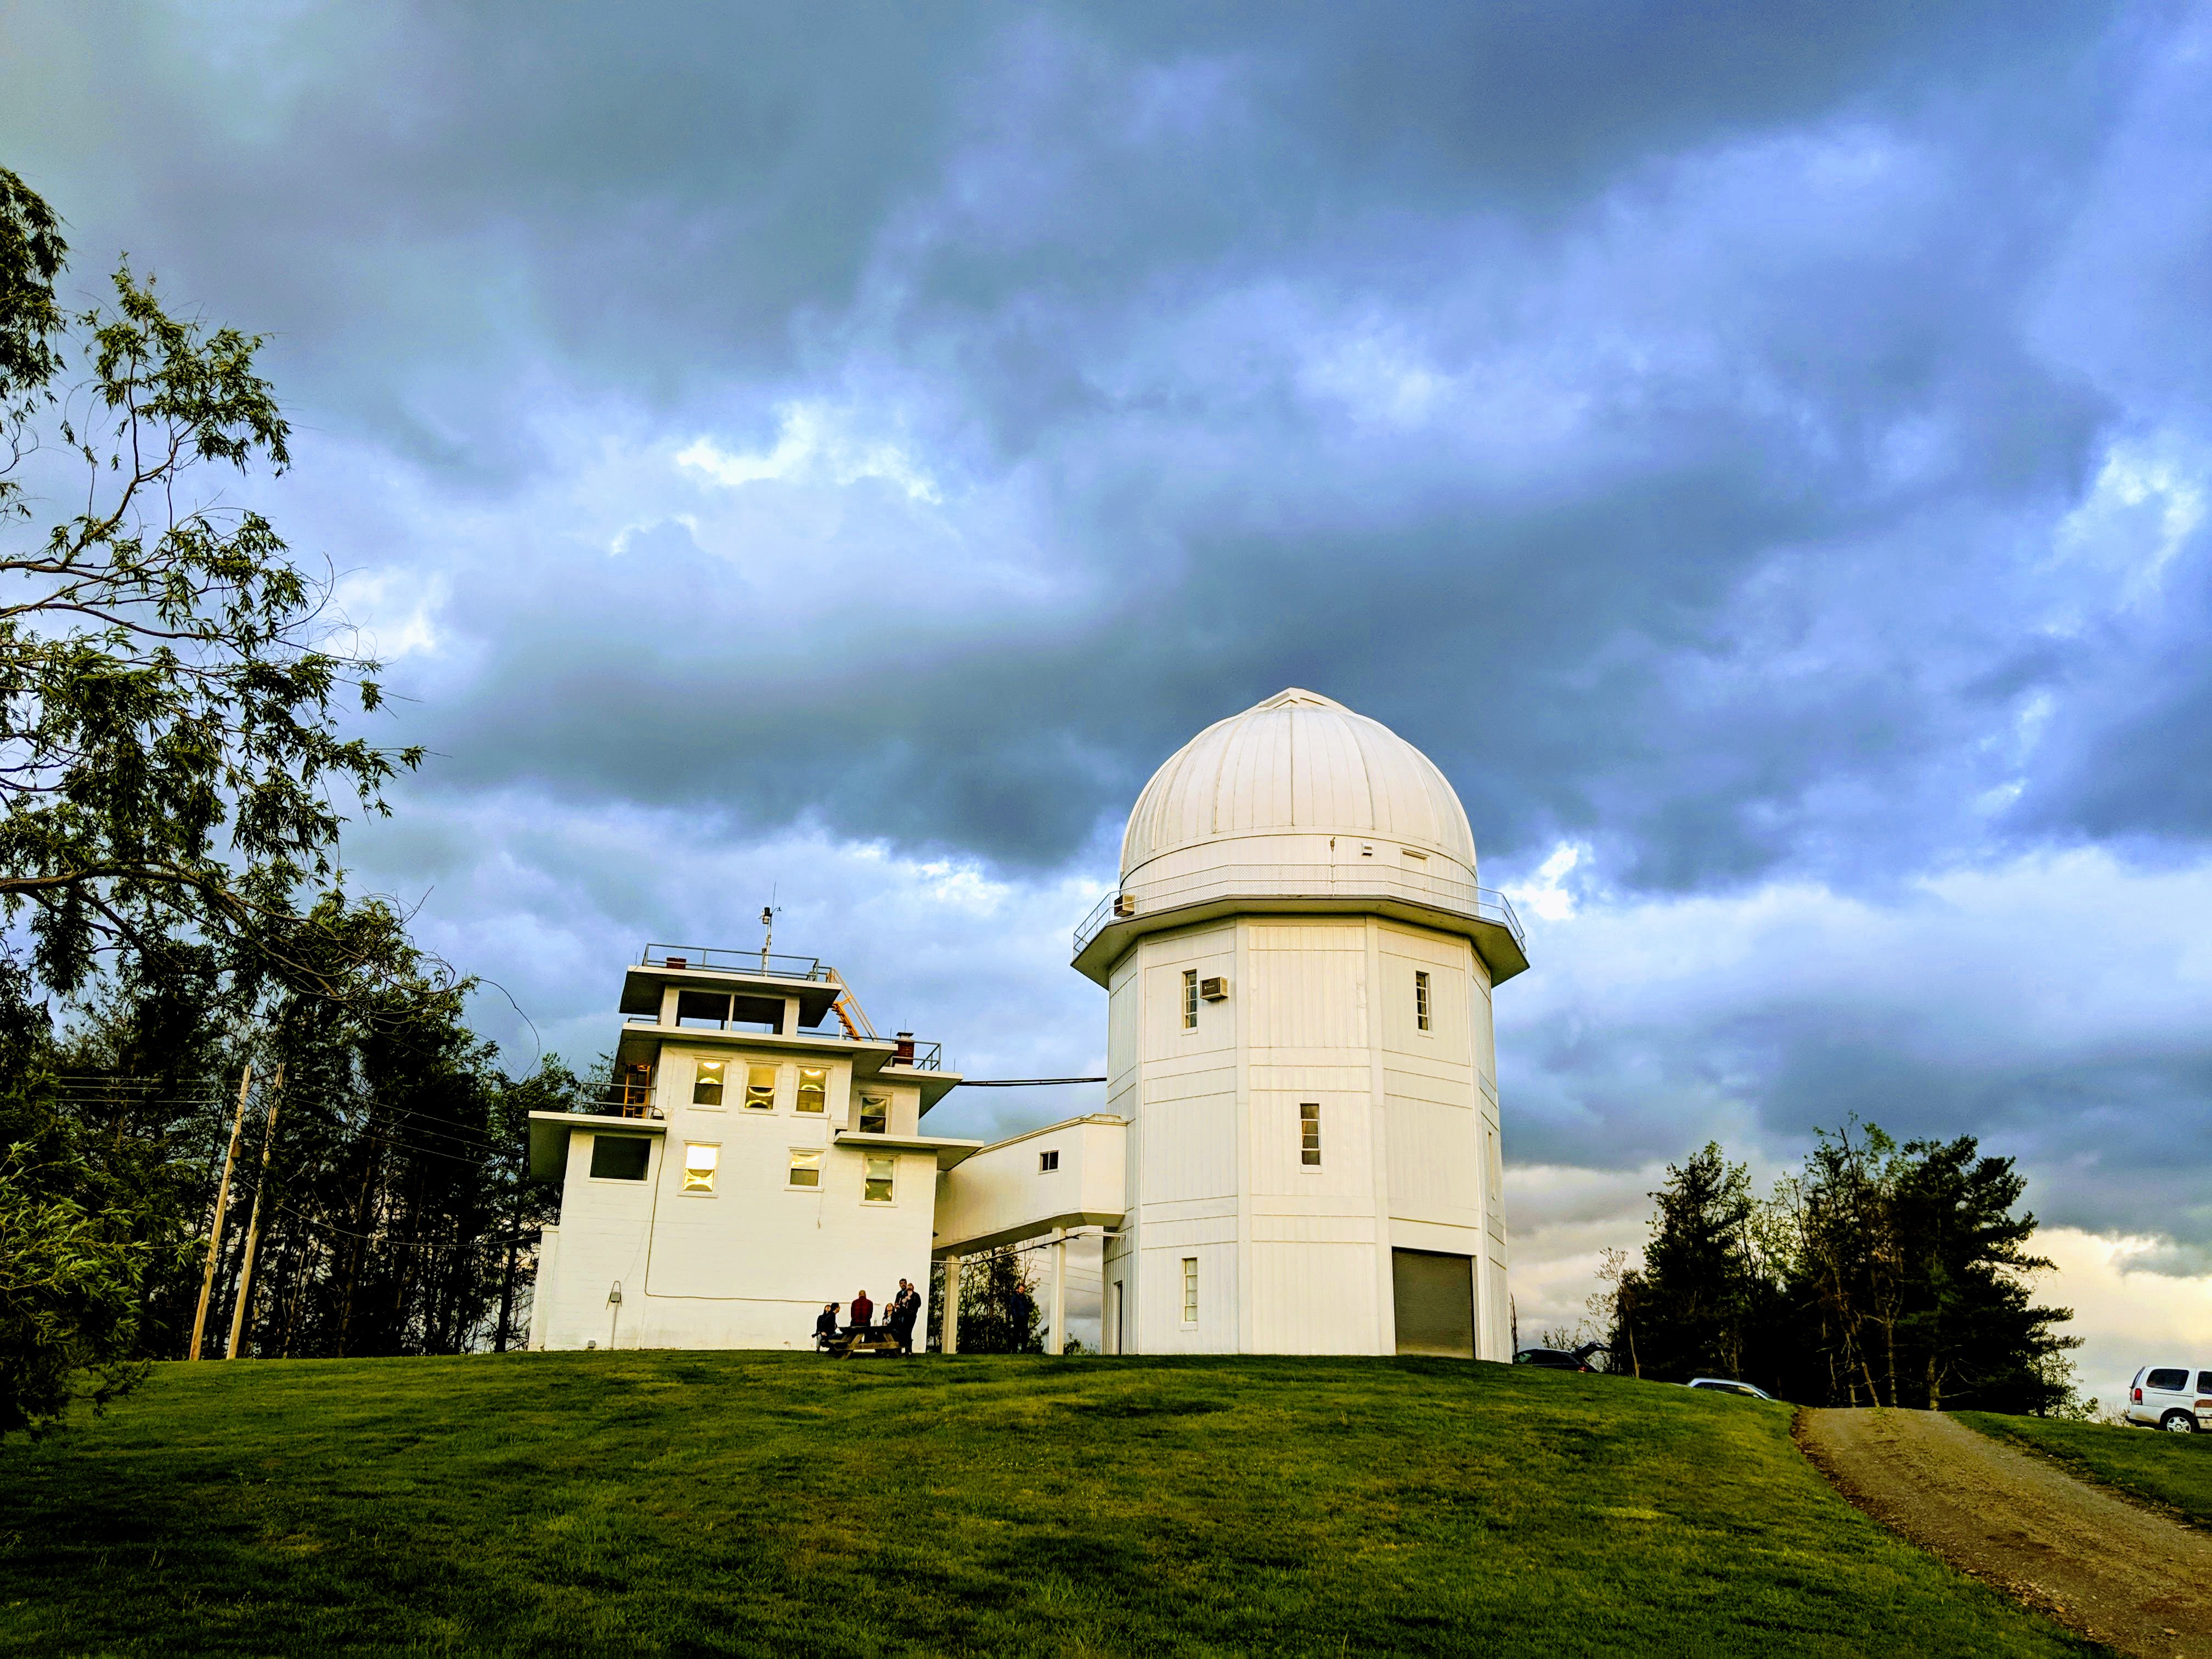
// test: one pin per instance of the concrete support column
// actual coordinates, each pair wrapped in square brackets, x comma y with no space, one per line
[1058,1340]
[950,1318]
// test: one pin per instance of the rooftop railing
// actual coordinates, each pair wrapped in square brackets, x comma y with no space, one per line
[906,1051]
[921,1056]
[723,961]
[1277,881]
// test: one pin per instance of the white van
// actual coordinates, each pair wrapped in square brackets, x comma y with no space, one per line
[2163,1397]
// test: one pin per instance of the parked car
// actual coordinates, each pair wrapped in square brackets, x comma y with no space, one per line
[1729,1385]
[2170,1397]
[1561,1359]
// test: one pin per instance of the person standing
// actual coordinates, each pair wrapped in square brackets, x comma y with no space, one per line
[906,1308]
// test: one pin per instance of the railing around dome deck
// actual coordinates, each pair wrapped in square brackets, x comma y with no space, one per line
[1276,881]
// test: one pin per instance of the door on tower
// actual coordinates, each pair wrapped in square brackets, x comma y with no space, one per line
[1434,1295]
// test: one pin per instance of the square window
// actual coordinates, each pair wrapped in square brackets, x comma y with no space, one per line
[707,1082]
[1190,999]
[876,1180]
[1047,1162]
[813,1088]
[1190,1290]
[875,1115]
[620,1158]
[760,1088]
[805,1168]
[1309,1133]
[699,1167]
[1420,1000]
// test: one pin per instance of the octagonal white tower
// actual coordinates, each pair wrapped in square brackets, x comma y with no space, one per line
[1299,966]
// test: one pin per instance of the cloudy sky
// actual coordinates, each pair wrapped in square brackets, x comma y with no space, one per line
[1761,453]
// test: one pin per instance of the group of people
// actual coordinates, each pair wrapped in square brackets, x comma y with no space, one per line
[899,1317]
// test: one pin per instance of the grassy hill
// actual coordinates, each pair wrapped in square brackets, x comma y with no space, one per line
[2173,1470]
[779,1504]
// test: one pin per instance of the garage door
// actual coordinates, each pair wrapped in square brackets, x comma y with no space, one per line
[1434,1296]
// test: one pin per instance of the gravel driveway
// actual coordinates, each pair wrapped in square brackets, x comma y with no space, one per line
[2117,1573]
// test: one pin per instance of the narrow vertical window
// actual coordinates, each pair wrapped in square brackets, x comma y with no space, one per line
[875,1115]
[813,1088]
[760,1088]
[805,1168]
[1190,1290]
[1420,1000]
[1310,1131]
[876,1180]
[699,1167]
[1190,999]
[707,1082]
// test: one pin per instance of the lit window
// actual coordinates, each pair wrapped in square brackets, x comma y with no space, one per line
[760,1088]
[806,1168]
[1310,1131]
[1421,1000]
[1190,1290]
[1190,999]
[876,1182]
[699,1167]
[1047,1162]
[707,1082]
[875,1115]
[813,1088]
[620,1158]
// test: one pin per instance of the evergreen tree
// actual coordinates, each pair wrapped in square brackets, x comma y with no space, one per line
[1698,1304]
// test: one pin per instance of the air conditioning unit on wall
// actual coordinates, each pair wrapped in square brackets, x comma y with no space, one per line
[1214,990]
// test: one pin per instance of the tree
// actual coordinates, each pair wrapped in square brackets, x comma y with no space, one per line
[1695,1306]
[170,685]
[69,1300]
[998,1303]
[173,755]
[1878,1274]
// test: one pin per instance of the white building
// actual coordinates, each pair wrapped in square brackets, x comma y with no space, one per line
[760,1153]
[1301,1151]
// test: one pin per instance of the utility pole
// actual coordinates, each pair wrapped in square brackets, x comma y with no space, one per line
[506,1281]
[253,1221]
[222,1211]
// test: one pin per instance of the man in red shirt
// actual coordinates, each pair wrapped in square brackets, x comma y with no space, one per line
[863,1311]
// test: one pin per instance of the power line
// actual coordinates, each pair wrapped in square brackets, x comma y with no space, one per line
[1022,1081]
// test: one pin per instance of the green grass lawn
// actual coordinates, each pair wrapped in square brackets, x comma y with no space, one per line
[2174,1470]
[781,1504]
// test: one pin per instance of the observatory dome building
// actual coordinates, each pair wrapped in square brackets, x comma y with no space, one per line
[1299,964]
[1300,1150]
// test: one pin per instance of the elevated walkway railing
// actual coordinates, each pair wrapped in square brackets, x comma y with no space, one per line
[1295,881]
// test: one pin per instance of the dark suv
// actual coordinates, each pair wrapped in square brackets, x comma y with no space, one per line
[1561,1359]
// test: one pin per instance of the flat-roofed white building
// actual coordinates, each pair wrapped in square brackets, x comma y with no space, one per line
[759,1152]
[1301,1150]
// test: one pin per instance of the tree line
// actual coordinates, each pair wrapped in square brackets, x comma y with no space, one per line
[182,963]
[1878,1274]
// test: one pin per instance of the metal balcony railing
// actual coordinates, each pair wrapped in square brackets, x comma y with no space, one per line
[921,1056]
[724,960]
[632,1099]
[1333,881]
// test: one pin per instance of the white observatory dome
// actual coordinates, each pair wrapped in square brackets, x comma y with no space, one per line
[1294,768]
